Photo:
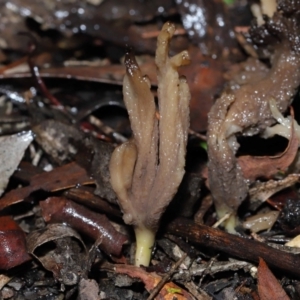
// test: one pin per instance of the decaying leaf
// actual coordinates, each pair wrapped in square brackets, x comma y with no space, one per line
[169,291]
[268,286]
[206,79]
[68,260]
[58,179]
[254,167]
[12,149]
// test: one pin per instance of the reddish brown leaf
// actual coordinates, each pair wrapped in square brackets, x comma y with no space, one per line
[84,195]
[205,79]
[268,286]
[94,225]
[256,166]
[169,291]
[13,250]
[63,177]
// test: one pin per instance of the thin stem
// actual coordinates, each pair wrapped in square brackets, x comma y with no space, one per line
[144,242]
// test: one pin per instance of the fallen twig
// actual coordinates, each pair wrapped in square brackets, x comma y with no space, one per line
[94,225]
[234,245]
[166,278]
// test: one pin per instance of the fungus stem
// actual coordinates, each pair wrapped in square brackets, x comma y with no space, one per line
[230,222]
[144,242]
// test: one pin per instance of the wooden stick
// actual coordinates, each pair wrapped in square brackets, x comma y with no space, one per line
[234,245]
[166,278]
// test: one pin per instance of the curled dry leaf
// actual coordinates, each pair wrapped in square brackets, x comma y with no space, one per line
[266,166]
[147,170]
[12,149]
[94,225]
[67,260]
[268,286]
[13,251]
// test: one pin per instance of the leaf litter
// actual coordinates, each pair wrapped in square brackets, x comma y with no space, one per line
[60,196]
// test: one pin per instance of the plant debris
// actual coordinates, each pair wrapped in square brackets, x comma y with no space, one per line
[70,175]
[97,226]
[12,145]
[187,131]
[268,286]
[67,261]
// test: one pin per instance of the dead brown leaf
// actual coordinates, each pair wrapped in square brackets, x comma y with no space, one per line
[67,260]
[169,291]
[61,178]
[254,167]
[268,286]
